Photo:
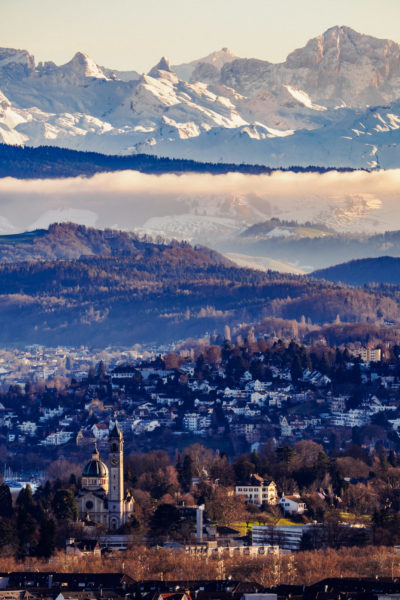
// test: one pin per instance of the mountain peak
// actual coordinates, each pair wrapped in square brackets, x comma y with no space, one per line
[82,65]
[162,65]
[16,62]
[340,45]
[217,58]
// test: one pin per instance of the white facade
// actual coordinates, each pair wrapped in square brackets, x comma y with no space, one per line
[285,536]
[263,493]
[292,505]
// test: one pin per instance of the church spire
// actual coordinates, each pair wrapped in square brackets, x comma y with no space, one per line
[115,432]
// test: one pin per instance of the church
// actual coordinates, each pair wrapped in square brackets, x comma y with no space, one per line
[102,498]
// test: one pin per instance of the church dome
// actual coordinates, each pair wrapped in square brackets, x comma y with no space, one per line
[95,467]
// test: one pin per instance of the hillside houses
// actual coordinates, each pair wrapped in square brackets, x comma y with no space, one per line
[241,410]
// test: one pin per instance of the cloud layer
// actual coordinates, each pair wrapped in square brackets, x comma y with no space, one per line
[356,201]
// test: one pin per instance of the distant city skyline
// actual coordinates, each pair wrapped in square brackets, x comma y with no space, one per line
[127,34]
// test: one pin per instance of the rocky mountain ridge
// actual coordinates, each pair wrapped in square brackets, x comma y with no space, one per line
[334,102]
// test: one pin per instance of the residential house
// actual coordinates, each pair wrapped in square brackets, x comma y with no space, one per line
[258,491]
[292,505]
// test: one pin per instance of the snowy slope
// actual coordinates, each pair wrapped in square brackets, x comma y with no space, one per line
[334,102]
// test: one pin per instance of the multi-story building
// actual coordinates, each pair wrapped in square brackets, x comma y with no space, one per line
[258,491]
[285,536]
[368,354]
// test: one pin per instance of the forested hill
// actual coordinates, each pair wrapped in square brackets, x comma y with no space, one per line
[72,241]
[385,269]
[94,287]
[52,162]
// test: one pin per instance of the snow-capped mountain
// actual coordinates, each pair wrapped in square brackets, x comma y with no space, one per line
[207,69]
[335,102]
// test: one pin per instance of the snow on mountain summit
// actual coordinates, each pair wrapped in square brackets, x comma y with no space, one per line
[16,63]
[162,65]
[81,65]
[163,70]
[212,63]
[334,102]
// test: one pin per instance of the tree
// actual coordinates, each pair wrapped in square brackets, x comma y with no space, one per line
[47,538]
[64,505]
[243,468]
[101,371]
[25,499]
[223,507]
[27,532]
[6,507]
[296,370]
[8,534]
[186,472]
[165,520]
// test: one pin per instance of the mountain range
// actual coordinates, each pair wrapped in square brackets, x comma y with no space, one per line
[334,103]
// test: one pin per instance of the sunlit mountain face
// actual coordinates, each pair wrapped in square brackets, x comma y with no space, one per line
[334,102]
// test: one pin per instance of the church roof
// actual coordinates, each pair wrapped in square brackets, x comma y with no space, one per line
[95,467]
[115,432]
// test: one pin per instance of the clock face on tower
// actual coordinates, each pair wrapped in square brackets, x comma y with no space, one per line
[114,460]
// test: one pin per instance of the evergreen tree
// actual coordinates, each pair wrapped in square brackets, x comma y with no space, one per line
[8,534]
[322,466]
[25,500]
[186,472]
[6,507]
[101,371]
[47,538]
[64,505]
[296,370]
[26,531]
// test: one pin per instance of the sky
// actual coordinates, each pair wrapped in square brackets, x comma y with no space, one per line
[134,34]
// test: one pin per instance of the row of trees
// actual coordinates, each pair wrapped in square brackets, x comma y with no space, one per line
[302,568]
[35,524]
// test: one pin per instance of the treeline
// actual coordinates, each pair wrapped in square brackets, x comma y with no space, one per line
[266,226]
[44,162]
[300,568]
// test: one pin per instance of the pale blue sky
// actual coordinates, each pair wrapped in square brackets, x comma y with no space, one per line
[132,34]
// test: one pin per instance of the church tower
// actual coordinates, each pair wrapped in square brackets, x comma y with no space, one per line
[116,505]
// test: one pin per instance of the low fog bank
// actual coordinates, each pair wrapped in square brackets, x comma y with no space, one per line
[203,207]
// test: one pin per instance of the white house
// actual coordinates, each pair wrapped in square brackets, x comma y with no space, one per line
[292,505]
[258,491]
[58,438]
[100,431]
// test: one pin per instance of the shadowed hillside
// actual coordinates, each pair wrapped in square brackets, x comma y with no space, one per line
[83,285]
